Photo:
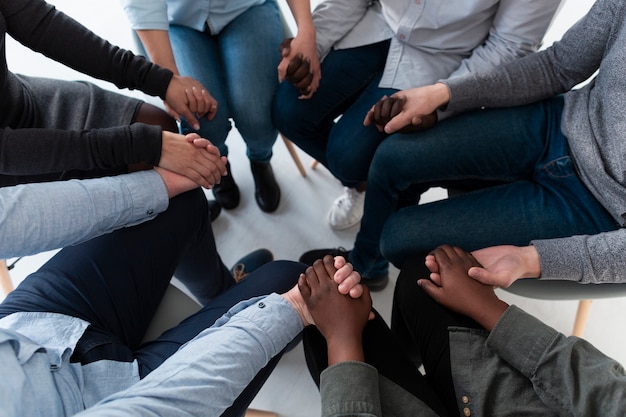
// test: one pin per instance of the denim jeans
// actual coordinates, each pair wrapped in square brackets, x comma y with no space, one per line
[534,191]
[348,88]
[116,282]
[238,67]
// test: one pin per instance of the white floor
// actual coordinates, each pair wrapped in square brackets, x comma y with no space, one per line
[299,223]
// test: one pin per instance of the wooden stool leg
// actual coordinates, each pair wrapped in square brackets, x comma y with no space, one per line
[584,306]
[314,163]
[258,413]
[294,155]
[6,285]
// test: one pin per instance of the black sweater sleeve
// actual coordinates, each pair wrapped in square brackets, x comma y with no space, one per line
[42,28]
[42,151]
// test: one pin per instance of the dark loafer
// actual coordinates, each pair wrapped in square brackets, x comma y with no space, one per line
[227,192]
[266,190]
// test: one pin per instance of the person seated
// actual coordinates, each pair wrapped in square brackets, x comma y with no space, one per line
[373,48]
[480,355]
[223,46]
[73,329]
[52,129]
[537,157]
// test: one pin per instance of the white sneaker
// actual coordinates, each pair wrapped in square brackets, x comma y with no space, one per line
[347,210]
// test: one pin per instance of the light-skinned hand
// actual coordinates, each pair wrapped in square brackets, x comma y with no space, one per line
[193,157]
[418,107]
[503,265]
[188,98]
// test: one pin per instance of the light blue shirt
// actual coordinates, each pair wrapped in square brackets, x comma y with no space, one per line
[435,39]
[203,377]
[213,15]
[39,217]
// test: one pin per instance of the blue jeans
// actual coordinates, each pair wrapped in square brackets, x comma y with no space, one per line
[516,160]
[348,88]
[116,282]
[238,67]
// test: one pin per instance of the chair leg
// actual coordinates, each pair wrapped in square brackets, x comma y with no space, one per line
[294,155]
[314,163]
[6,285]
[584,306]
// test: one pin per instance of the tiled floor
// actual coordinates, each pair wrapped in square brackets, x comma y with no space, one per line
[299,223]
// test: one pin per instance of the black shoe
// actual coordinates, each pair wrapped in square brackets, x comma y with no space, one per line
[215,208]
[251,262]
[377,283]
[266,190]
[227,192]
[313,255]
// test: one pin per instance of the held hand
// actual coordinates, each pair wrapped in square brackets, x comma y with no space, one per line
[419,105]
[175,183]
[193,157]
[338,317]
[186,97]
[503,265]
[300,65]
[389,107]
[451,287]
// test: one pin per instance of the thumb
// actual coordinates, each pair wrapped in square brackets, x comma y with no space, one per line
[479,274]
[429,288]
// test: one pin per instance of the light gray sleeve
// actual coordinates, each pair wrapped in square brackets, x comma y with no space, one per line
[518,29]
[208,373]
[333,19]
[569,374]
[544,74]
[45,216]
[592,259]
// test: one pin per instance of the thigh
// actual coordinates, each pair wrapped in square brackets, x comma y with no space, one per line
[116,281]
[345,74]
[420,321]
[77,105]
[351,146]
[250,56]
[513,213]
[197,55]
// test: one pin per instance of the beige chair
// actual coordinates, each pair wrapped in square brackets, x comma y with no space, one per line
[568,290]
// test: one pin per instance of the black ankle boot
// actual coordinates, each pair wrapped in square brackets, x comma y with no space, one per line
[266,190]
[226,192]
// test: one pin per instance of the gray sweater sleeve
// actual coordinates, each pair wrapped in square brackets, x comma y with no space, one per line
[555,70]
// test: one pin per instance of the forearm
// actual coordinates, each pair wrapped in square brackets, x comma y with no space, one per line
[568,374]
[588,259]
[206,375]
[40,217]
[159,48]
[40,151]
[40,27]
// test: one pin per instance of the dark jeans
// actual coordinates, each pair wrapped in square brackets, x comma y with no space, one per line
[116,282]
[348,88]
[539,196]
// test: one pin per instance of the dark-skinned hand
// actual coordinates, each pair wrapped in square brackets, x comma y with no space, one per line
[452,287]
[340,318]
[387,108]
[299,69]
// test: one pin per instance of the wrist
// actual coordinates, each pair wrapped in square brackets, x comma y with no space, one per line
[344,349]
[530,261]
[440,95]
[491,313]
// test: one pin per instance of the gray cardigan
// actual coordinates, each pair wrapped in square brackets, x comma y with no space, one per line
[522,368]
[593,121]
